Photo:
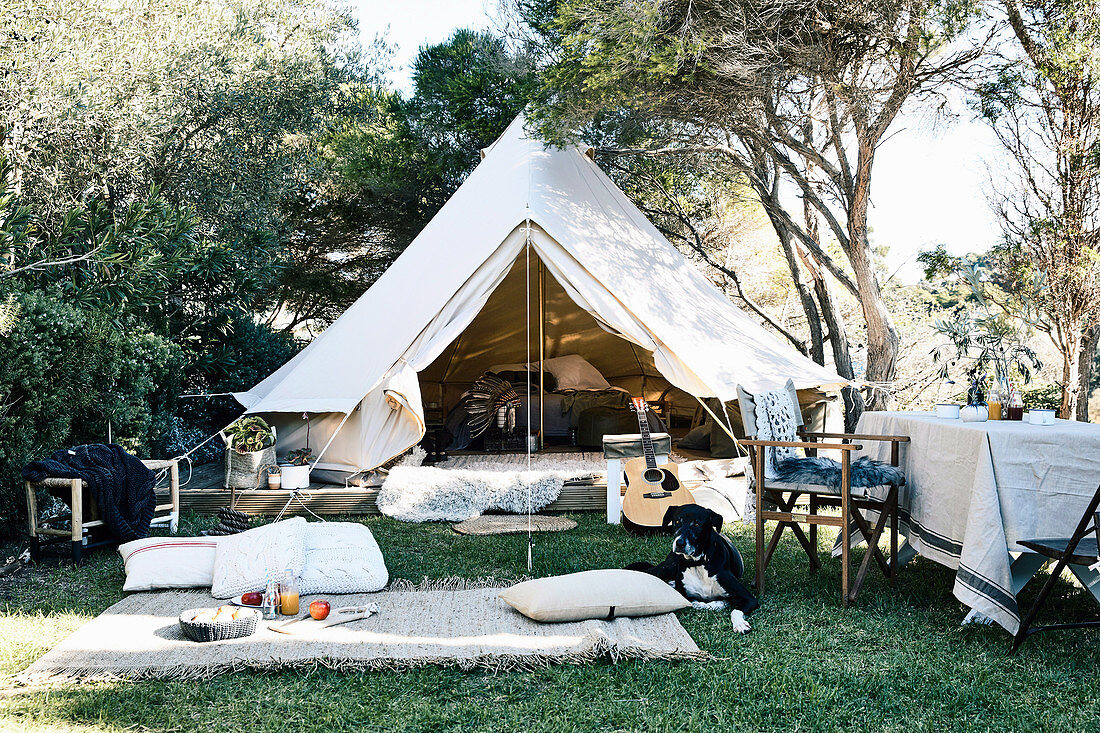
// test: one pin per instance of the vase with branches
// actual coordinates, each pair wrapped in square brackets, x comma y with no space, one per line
[984,341]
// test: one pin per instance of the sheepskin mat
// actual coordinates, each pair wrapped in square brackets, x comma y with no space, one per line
[454,625]
[512,524]
[435,494]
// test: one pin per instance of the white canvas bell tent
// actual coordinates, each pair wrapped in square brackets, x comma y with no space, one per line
[536,236]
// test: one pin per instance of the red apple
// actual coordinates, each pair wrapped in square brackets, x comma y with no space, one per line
[252,599]
[319,610]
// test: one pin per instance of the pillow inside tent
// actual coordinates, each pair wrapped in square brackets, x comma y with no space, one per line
[571,371]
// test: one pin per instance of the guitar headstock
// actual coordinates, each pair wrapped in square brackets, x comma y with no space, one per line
[639,405]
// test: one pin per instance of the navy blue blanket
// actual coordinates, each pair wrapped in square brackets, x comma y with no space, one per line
[120,484]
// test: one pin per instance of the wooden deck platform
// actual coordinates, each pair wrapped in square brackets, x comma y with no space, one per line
[204,494]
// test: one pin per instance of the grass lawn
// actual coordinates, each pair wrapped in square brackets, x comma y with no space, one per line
[898,661]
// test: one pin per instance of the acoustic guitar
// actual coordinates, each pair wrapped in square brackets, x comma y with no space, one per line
[650,489]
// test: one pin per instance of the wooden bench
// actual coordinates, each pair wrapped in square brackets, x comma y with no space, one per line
[85,514]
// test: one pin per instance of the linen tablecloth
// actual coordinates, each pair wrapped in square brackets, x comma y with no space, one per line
[973,490]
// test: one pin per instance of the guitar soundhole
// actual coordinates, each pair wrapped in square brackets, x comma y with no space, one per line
[654,475]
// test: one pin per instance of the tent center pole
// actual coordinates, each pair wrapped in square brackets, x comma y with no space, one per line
[542,355]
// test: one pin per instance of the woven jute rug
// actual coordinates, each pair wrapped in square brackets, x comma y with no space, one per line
[452,624]
[512,524]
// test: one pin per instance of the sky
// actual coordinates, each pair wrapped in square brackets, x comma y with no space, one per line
[929,184]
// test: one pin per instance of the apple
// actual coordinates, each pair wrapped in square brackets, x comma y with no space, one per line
[319,610]
[252,599]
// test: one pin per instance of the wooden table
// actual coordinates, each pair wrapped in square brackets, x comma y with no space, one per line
[973,490]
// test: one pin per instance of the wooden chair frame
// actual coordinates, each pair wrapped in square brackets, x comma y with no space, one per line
[1068,556]
[79,523]
[850,508]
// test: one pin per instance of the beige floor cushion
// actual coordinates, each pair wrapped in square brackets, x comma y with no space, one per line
[593,594]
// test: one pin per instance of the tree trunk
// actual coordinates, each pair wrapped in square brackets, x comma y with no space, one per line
[1070,374]
[882,339]
[1085,360]
[809,306]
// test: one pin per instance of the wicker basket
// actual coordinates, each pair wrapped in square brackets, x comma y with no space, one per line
[218,630]
[247,470]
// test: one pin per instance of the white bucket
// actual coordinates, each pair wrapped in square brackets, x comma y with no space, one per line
[295,477]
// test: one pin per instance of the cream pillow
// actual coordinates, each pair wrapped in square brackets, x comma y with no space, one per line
[341,557]
[593,594]
[571,371]
[169,562]
[244,561]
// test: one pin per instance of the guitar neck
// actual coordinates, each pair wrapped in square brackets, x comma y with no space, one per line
[647,440]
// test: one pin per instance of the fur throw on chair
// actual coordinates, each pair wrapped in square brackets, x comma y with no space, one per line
[865,472]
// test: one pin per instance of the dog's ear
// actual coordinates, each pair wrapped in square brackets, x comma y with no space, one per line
[715,520]
[670,516]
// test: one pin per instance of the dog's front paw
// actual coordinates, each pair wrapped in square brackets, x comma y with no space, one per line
[740,625]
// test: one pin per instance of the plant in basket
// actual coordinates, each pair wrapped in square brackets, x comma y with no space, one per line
[251,444]
[251,434]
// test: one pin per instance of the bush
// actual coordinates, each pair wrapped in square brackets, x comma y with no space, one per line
[64,373]
[1047,396]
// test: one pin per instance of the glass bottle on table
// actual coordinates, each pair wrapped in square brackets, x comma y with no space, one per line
[270,605]
[288,594]
[995,404]
[1015,405]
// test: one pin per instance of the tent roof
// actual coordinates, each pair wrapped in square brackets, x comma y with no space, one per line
[598,228]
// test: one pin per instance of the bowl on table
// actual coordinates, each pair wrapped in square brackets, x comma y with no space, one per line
[947,411]
[1040,417]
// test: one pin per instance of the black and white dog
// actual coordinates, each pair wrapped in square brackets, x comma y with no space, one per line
[704,565]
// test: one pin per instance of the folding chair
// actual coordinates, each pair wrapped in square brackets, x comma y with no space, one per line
[1078,549]
[787,497]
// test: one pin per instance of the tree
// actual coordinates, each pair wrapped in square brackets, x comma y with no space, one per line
[786,91]
[1041,98]
[216,105]
[395,162]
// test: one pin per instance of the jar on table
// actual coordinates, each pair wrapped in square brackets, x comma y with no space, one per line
[995,404]
[1015,405]
[288,594]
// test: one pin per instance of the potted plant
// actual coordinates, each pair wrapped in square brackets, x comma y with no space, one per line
[250,448]
[274,477]
[296,469]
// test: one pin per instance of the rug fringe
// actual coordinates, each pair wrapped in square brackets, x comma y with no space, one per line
[452,583]
[598,649]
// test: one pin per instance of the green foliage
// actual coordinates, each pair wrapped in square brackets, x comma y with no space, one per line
[400,159]
[216,104]
[1045,396]
[300,457]
[250,434]
[988,329]
[64,373]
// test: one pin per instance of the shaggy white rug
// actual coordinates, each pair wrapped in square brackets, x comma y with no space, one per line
[430,494]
